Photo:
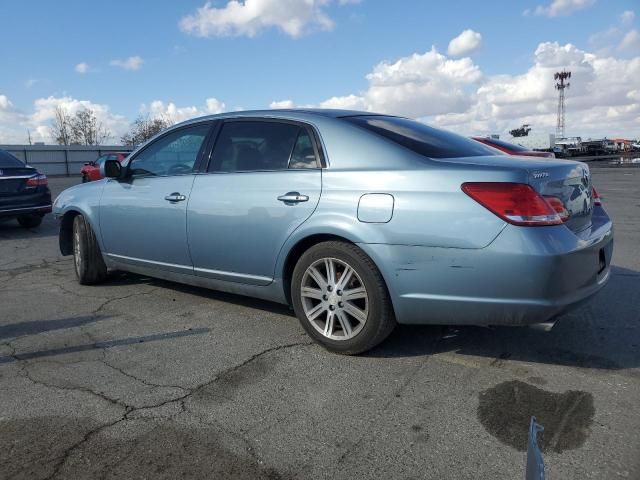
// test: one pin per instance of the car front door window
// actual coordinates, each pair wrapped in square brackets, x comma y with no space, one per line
[172,154]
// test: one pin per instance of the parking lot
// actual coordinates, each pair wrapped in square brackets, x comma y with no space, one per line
[141,378]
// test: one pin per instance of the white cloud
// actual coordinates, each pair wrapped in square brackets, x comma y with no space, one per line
[12,128]
[627,17]
[177,114]
[604,98]
[15,123]
[131,63]
[418,85]
[31,81]
[617,38]
[251,17]
[465,43]
[282,104]
[631,41]
[562,7]
[599,101]
[82,67]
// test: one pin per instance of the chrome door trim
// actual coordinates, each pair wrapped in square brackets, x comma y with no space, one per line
[141,261]
[233,276]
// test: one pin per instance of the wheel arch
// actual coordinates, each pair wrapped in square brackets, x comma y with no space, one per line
[297,250]
[65,237]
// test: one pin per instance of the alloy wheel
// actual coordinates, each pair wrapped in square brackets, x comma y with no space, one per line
[334,298]
[77,259]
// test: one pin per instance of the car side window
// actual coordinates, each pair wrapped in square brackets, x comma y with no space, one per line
[303,155]
[244,146]
[100,160]
[172,154]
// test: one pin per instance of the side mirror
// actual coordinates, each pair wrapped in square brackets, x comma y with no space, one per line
[111,169]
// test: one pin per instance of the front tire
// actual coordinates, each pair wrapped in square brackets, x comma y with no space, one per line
[87,258]
[30,221]
[341,299]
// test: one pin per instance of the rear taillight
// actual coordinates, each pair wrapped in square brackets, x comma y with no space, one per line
[37,180]
[516,203]
[597,201]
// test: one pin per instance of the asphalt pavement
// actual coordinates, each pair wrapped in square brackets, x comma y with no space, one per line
[141,378]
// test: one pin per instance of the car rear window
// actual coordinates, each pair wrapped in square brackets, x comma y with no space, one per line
[9,161]
[510,146]
[423,139]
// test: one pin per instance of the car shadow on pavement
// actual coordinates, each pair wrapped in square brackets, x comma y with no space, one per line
[40,326]
[11,230]
[602,334]
[126,278]
[102,345]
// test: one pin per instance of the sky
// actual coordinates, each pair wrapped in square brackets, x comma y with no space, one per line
[468,66]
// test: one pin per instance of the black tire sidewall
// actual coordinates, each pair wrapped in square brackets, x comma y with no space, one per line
[380,318]
[92,268]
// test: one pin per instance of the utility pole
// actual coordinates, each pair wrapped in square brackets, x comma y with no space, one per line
[560,78]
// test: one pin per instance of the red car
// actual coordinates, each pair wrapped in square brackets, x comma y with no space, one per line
[511,149]
[91,171]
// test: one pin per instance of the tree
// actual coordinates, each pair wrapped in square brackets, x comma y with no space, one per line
[143,128]
[83,128]
[87,130]
[61,127]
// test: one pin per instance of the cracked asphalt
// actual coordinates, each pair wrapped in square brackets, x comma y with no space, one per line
[141,378]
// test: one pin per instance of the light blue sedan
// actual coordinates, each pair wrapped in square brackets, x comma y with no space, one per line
[356,220]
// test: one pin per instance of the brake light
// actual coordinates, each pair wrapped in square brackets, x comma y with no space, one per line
[37,180]
[516,203]
[597,201]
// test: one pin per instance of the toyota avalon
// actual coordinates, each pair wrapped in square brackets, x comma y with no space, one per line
[358,221]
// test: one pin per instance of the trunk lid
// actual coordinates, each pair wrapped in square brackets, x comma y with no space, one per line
[13,180]
[571,183]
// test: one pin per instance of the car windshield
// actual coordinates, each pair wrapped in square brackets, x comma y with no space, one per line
[423,139]
[9,161]
[510,146]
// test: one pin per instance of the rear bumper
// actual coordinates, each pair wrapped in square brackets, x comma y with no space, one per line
[35,203]
[527,275]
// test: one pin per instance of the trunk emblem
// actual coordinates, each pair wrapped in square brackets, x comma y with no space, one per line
[540,174]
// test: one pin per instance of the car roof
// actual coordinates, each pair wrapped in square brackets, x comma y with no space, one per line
[284,113]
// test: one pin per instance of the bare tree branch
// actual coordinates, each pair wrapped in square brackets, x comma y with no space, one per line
[143,128]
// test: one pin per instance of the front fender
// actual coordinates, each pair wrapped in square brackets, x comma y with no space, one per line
[83,199]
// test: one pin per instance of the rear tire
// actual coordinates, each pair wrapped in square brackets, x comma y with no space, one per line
[87,258]
[85,179]
[341,299]
[30,221]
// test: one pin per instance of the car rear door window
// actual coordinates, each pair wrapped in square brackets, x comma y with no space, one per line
[423,139]
[244,146]
[303,155]
[172,154]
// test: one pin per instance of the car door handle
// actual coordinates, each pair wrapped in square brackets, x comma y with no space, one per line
[293,197]
[175,197]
